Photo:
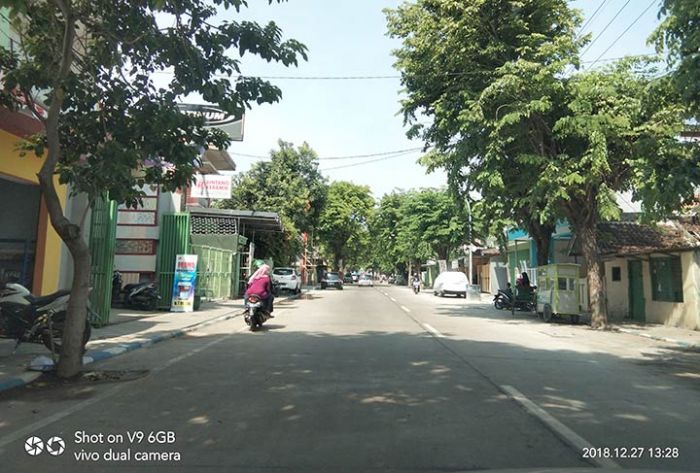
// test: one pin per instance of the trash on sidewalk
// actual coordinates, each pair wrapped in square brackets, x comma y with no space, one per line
[41,363]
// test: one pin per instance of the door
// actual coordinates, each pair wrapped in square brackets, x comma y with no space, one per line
[636,291]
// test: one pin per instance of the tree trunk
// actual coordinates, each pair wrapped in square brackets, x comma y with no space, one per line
[70,361]
[588,237]
[543,236]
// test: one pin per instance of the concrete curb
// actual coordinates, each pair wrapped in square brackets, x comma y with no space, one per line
[679,343]
[107,353]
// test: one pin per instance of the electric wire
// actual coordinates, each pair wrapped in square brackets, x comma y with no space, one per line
[624,32]
[351,156]
[606,27]
[352,165]
[580,31]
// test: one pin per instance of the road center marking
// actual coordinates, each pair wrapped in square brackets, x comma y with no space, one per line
[405,309]
[432,330]
[562,431]
[392,299]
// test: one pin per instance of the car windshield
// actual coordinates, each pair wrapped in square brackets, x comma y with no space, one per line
[283,271]
[332,276]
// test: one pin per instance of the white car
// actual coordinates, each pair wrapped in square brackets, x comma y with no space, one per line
[451,282]
[288,279]
[365,281]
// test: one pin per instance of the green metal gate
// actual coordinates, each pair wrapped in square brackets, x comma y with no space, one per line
[174,240]
[103,234]
[214,271]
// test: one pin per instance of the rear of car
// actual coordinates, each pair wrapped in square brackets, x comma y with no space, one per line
[365,281]
[331,280]
[287,278]
[451,282]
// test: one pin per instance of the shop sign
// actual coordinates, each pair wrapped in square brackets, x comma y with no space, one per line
[211,186]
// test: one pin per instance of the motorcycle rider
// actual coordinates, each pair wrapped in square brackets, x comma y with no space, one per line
[260,284]
[415,282]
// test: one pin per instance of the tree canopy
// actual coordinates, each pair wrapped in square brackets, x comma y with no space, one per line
[344,221]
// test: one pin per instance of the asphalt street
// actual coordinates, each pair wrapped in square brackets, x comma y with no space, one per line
[367,379]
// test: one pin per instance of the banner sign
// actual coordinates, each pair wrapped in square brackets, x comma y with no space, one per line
[184,283]
[211,186]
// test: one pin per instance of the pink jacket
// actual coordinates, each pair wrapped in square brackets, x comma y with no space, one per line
[261,287]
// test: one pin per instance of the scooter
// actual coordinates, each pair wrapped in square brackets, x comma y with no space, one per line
[256,313]
[141,296]
[31,319]
[416,287]
[505,299]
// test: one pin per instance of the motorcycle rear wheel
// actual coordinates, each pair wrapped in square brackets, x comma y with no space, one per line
[498,304]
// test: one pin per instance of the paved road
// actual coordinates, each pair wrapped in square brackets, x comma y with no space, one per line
[368,380]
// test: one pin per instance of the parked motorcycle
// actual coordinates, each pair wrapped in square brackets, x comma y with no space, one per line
[28,318]
[505,299]
[256,313]
[141,296]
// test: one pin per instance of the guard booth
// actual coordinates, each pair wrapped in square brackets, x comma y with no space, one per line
[558,291]
[224,242]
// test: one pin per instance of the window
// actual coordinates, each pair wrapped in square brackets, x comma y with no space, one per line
[666,279]
[561,284]
[616,273]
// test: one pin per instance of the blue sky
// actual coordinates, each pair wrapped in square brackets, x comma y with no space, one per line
[350,117]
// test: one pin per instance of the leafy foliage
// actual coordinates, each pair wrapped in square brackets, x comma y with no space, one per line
[289,184]
[678,34]
[416,226]
[344,223]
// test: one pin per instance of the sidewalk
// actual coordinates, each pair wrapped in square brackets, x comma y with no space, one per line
[684,338]
[128,330]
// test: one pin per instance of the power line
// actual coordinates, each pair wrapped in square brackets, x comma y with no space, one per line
[580,32]
[351,156]
[624,32]
[363,163]
[606,27]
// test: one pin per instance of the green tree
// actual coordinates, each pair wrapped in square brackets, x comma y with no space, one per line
[504,77]
[678,34]
[108,126]
[344,222]
[418,225]
[534,141]
[290,184]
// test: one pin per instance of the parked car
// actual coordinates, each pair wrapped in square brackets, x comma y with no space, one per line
[451,282]
[288,279]
[347,279]
[331,280]
[365,281]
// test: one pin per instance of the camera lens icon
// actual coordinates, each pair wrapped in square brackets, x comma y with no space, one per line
[55,446]
[33,446]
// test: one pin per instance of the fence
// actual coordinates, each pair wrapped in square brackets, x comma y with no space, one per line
[174,240]
[103,233]
[215,271]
